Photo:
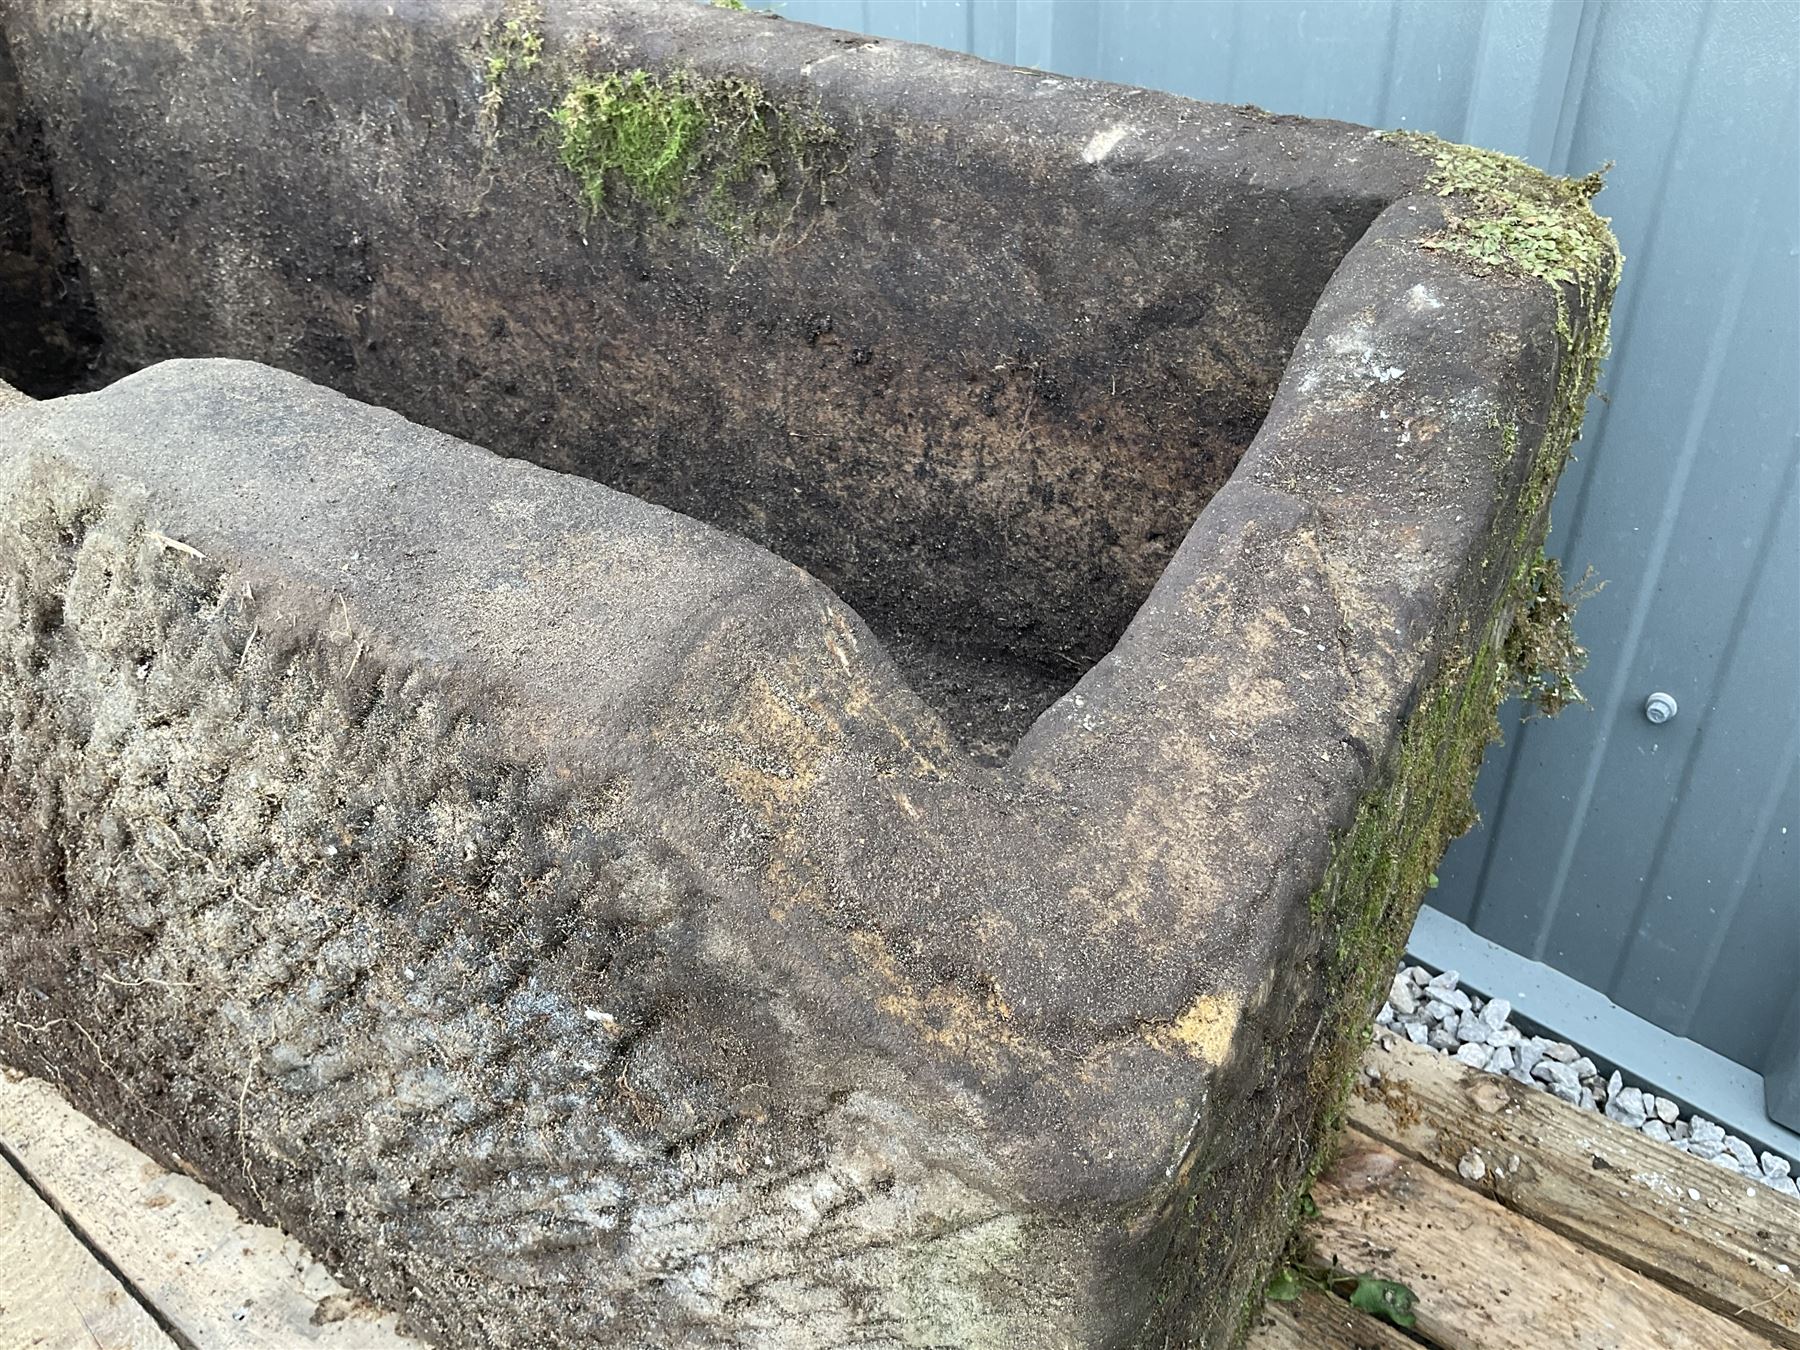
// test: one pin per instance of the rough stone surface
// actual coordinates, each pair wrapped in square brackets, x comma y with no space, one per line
[578,924]
[49,335]
[1707,1140]
[1401,998]
[1627,1107]
[484,846]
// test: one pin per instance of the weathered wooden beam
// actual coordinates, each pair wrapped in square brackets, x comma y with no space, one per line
[1706,1233]
[1317,1321]
[1488,1278]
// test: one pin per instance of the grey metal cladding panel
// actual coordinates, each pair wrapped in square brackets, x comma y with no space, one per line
[1675,502]
[1623,96]
[1718,879]
[1374,61]
[1657,864]
[941,23]
[1748,975]
[1723,864]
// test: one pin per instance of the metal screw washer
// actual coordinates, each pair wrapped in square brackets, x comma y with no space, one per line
[1660,707]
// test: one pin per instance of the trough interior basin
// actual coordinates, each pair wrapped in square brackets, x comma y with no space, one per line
[974,363]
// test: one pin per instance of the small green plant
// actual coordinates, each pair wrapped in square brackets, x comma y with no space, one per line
[513,44]
[1388,1300]
[1285,1285]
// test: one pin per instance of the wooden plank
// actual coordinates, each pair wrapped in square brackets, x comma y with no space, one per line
[220,1282]
[1488,1278]
[53,1294]
[1727,1243]
[1317,1321]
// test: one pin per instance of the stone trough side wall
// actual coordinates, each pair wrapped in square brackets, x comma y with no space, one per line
[1389,517]
[428,894]
[494,971]
[49,332]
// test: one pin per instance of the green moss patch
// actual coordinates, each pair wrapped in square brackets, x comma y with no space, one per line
[1384,864]
[1511,216]
[631,131]
[681,144]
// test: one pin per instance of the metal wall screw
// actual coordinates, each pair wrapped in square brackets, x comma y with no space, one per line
[1659,707]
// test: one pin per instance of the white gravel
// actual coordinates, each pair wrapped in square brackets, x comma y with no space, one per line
[1430,1010]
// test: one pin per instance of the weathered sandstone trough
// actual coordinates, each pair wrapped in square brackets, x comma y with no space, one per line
[881,819]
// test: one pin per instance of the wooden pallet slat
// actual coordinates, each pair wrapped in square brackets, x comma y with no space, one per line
[53,1294]
[1488,1278]
[1317,1321]
[218,1280]
[1715,1237]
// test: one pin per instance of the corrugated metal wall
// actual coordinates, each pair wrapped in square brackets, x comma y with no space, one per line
[1658,864]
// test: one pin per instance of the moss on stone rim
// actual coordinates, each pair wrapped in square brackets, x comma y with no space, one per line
[633,131]
[1541,652]
[512,46]
[685,146]
[1515,217]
